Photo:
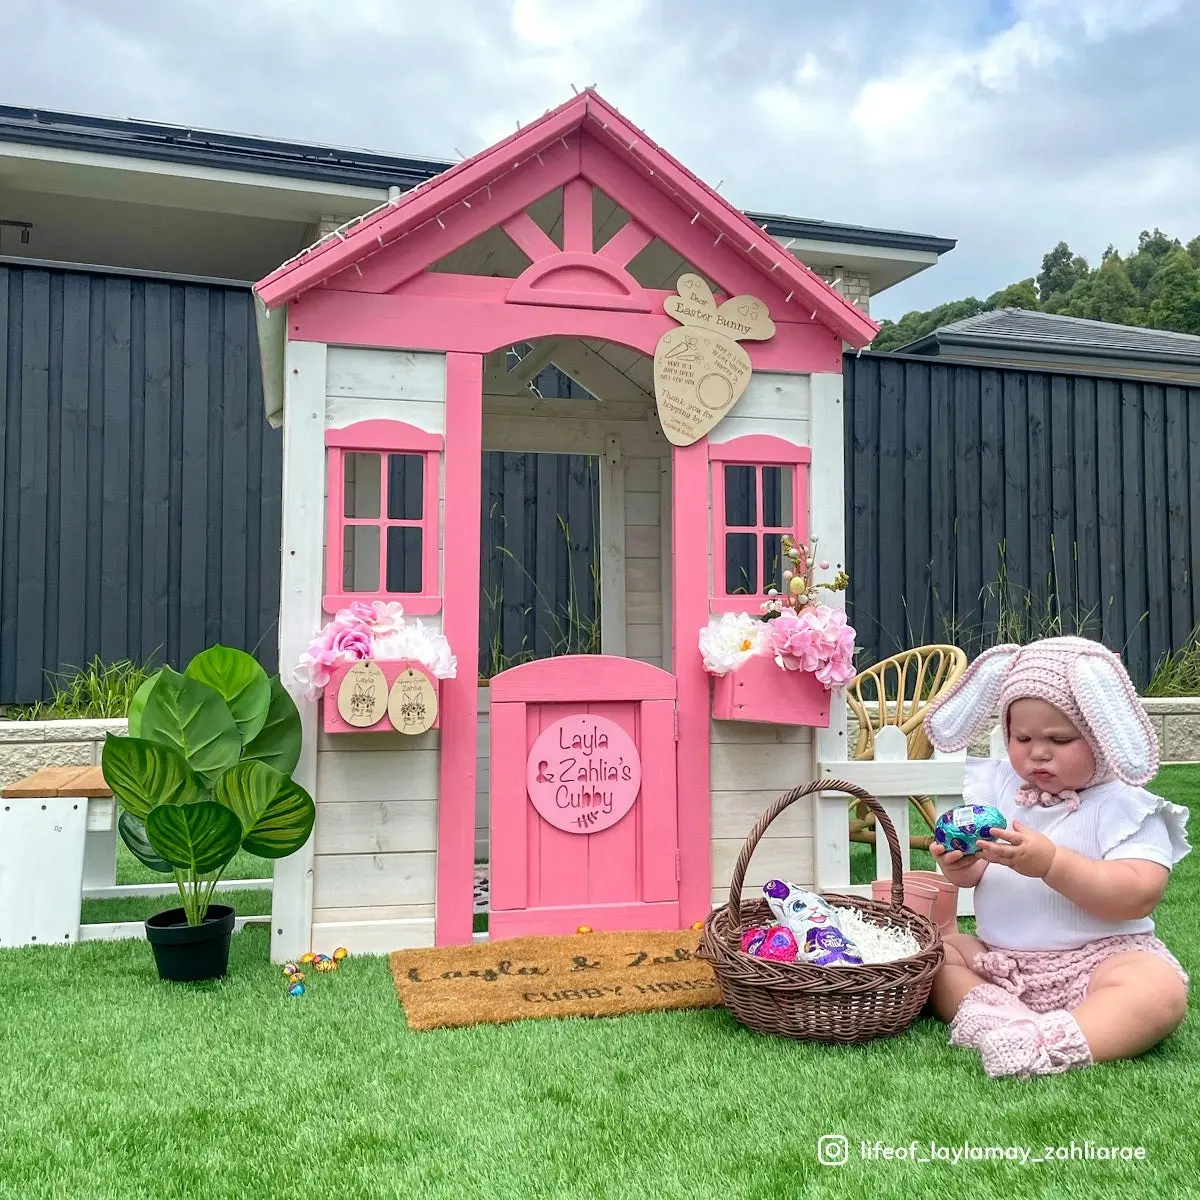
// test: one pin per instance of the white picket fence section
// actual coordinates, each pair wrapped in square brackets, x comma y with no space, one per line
[891,777]
[56,852]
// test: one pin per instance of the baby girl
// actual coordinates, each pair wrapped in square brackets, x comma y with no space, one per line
[1066,970]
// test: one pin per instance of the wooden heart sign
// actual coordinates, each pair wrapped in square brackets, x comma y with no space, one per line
[699,369]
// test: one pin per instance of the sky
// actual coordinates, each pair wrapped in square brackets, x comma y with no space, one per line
[1007,124]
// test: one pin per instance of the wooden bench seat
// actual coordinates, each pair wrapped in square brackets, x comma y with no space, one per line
[59,781]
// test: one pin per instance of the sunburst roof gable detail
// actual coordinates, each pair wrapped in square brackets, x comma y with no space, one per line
[588,137]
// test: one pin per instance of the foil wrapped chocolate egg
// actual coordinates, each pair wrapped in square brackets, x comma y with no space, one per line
[777,943]
[829,947]
[752,940]
[296,989]
[308,958]
[340,953]
[290,968]
[325,965]
[964,826]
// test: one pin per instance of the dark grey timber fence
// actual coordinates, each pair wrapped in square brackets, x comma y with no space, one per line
[141,486]
[139,506]
[981,497]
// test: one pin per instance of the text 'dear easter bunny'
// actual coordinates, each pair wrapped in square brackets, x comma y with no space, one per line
[699,369]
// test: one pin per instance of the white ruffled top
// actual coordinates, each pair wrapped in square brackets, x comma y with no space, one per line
[1114,821]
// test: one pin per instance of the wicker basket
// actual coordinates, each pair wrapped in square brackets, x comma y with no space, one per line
[847,1004]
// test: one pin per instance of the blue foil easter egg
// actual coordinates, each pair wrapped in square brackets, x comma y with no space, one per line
[962,827]
[297,989]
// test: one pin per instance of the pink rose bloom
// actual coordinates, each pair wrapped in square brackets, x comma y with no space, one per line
[360,612]
[350,644]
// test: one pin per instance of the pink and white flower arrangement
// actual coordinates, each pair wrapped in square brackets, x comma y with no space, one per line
[371,630]
[795,629]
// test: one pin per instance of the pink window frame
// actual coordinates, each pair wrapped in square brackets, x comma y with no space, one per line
[382,437]
[756,450]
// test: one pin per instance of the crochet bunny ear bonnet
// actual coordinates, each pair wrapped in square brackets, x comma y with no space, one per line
[1081,678]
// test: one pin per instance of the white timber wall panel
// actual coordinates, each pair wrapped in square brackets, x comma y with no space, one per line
[375,839]
[770,398]
[827,519]
[753,765]
[644,553]
[355,372]
[301,577]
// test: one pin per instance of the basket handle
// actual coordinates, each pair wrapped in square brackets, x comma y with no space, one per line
[884,822]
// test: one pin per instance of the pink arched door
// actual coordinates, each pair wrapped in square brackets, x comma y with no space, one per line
[584,805]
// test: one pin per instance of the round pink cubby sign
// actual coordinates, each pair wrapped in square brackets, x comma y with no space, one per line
[583,773]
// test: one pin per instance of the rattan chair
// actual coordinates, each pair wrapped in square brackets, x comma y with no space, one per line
[896,691]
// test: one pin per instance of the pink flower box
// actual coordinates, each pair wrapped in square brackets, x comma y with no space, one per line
[761,691]
[332,719]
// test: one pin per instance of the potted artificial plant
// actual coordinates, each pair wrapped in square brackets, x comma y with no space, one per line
[204,772]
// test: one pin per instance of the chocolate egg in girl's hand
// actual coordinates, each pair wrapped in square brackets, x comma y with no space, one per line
[963,827]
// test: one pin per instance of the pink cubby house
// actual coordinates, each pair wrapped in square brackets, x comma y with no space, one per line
[611,790]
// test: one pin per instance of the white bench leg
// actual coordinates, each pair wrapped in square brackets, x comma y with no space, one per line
[41,869]
[100,858]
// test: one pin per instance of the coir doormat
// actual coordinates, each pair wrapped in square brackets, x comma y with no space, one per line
[581,975]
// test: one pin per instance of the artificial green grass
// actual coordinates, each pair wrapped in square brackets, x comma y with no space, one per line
[118,1086]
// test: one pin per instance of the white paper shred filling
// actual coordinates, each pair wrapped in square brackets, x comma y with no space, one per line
[875,943]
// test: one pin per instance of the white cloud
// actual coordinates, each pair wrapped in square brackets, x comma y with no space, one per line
[1008,127]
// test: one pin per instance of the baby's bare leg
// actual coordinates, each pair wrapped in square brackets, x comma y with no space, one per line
[955,978]
[1133,1002]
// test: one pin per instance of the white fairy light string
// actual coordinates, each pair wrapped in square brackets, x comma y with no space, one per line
[633,149]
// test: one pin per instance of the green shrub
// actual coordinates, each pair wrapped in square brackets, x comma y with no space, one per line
[1178,671]
[98,690]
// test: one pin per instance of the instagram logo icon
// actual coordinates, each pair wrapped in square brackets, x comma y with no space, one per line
[833,1150]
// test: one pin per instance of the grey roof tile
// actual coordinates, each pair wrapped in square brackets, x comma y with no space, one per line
[1024,329]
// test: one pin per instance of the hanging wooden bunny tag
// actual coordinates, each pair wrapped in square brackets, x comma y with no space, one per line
[699,369]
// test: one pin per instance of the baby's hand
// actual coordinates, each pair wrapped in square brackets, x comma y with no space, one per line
[960,869]
[1025,850]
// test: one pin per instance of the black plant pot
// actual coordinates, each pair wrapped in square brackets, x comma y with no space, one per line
[187,953]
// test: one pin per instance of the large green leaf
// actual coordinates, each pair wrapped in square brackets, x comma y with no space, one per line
[192,717]
[276,814]
[198,838]
[138,704]
[278,743]
[241,683]
[133,834]
[145,774]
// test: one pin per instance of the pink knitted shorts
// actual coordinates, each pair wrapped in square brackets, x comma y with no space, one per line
[1045,980]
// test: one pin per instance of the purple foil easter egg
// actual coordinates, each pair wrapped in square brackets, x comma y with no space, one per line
[828,947]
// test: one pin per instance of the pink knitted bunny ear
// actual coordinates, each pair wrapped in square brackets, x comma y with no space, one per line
[1110,705]
[969,706]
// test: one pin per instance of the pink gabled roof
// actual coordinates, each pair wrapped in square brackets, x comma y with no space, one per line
[427,201]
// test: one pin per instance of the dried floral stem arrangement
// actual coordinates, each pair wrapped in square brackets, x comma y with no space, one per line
[795,629]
